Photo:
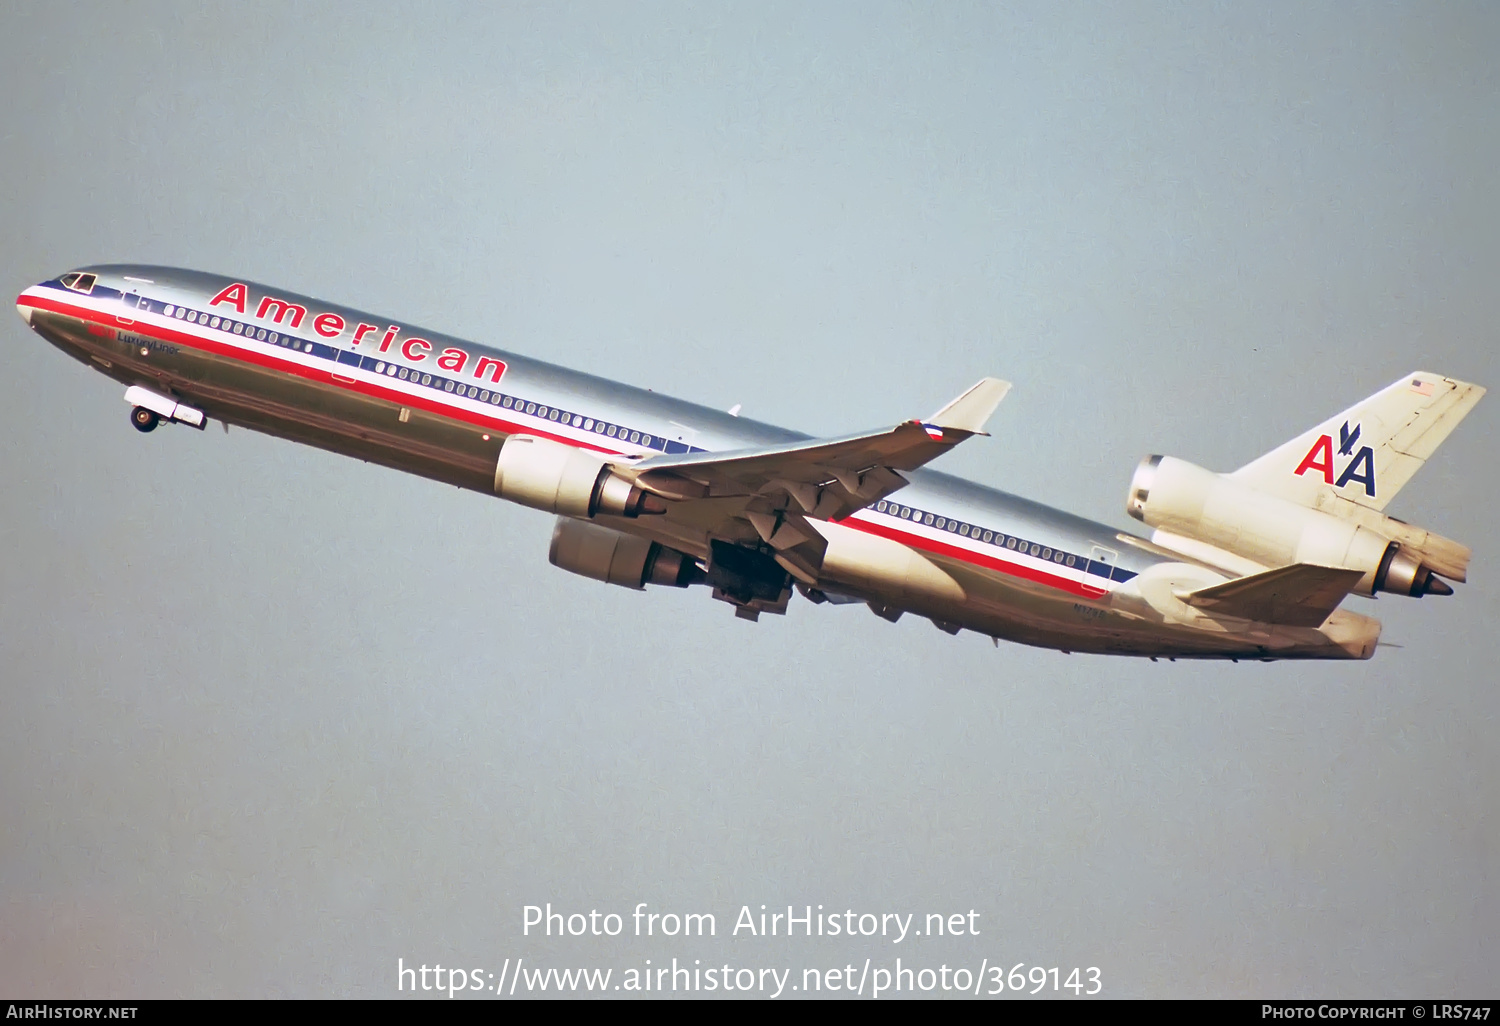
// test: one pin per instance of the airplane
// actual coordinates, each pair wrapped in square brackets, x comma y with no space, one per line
[650,491]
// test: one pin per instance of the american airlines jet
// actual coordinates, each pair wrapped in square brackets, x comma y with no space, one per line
[650,491]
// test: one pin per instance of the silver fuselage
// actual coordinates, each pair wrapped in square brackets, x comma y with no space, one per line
[441,407]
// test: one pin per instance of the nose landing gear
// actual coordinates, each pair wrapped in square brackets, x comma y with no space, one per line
[148,409]
[144,419]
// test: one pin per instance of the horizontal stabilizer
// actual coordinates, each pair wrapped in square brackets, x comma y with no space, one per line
[970,411]
[1300,595]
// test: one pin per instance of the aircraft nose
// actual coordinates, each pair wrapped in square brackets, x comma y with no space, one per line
[23,309]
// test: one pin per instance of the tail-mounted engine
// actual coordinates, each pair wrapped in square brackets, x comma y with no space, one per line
[1179,498]
[572,482]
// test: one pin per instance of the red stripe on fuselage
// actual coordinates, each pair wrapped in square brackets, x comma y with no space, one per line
[949,551]
[319,374]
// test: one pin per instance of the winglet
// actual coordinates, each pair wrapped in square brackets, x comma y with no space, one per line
[970,411]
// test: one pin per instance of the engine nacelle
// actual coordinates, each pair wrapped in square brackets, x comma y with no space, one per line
[615,557]
[558,478]
[1178,497]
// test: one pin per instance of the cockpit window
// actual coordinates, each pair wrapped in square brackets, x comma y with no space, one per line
[79,282]
[69,279]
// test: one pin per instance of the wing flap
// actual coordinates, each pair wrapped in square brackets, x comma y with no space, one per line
[1299,595]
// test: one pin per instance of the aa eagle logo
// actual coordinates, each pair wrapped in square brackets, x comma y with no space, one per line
[1361,465]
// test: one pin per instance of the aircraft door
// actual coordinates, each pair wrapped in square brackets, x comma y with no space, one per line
[1102,561]
[132,302]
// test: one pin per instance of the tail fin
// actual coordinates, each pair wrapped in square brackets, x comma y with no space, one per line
[1368,452]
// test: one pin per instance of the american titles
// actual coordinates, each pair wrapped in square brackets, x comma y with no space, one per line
[388,340]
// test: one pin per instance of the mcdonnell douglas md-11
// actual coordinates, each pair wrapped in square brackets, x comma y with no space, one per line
[651,491]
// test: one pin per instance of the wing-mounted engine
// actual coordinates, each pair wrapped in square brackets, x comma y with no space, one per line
[548,475]
[1196,511]
[615,557]
[747,578]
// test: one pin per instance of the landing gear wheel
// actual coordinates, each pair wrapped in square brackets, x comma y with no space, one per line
[144,419]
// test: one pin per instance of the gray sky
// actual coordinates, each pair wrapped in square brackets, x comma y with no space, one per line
[271,719]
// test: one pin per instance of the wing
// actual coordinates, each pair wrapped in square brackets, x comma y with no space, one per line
[827,478]
[1299,595]
[774,491]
